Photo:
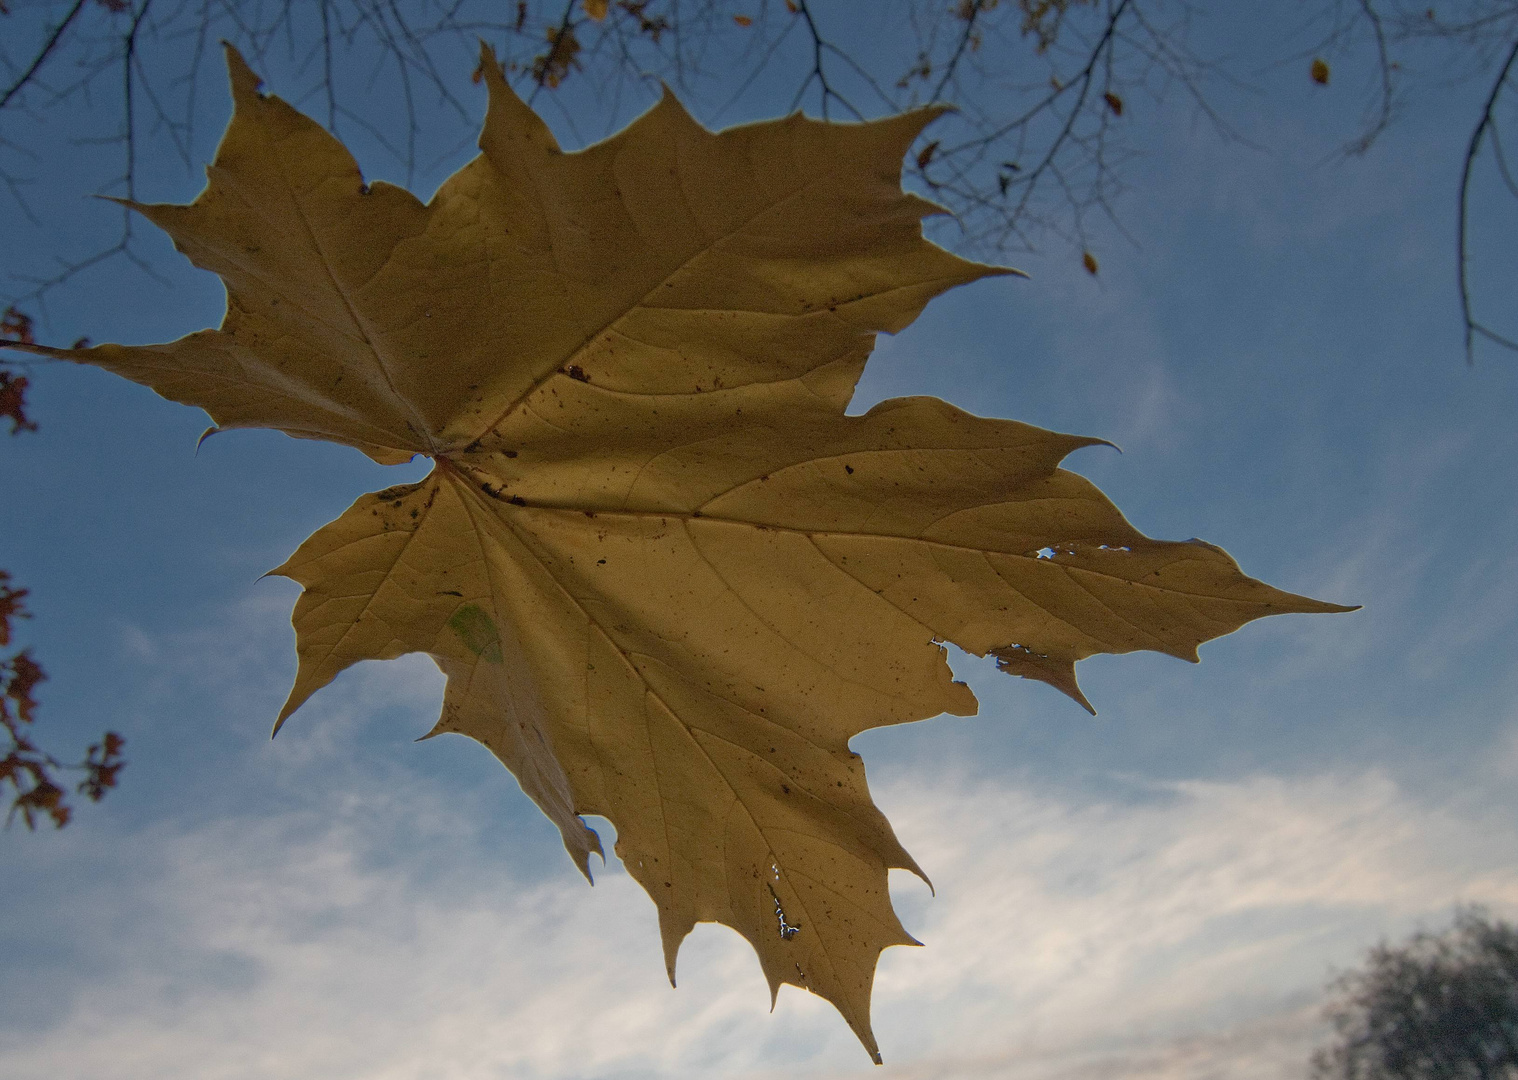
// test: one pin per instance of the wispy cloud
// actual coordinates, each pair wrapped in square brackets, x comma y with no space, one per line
[1166,931]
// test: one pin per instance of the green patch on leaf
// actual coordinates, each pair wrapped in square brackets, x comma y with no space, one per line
[477,631]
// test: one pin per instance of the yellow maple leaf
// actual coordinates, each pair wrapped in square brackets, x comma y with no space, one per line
[666,576]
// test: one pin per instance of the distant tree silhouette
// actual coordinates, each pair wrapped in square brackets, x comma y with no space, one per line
[1439,1007]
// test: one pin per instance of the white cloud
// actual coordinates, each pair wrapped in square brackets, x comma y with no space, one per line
[1208,906]
[1168,935]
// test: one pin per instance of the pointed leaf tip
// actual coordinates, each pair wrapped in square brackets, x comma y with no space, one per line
[582,862]
[508,119]
[1028,663]
[1009,271]
[489,65]
[245,82]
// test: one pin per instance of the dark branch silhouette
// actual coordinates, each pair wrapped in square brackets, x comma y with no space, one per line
[1485,126]
[969,55]
[42,54]
[1038,143]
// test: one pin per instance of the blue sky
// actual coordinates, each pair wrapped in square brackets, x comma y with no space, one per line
[1159,891]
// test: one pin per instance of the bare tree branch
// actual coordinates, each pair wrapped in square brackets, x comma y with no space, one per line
[950,68]
[1384,68]
[1038,147]
[818,72]
[42,54]
[1486,123]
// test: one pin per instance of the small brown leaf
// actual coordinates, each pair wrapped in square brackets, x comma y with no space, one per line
[16,326]
[790,5]
[13,402]
[1114,103]
[45,797]
[25,675]
[10,606]
[595,9]
[1320,71]
[743,20]
[1088,260]
[925,155]
[550,69]
[103,766]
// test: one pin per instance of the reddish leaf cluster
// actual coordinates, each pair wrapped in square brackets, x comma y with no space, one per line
[15,326]
[10,606]
[13,402]
[101,763]
[30,772]
[654,25]
[24,767]
[552,67]
[1042,19]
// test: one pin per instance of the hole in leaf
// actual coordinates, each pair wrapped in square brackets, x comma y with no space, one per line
[788,930]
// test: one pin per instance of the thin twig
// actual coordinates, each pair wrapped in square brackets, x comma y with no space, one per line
[819,74]
[959,51]
[1384,111]
[42,55]
[566,24]
[1085,80]
[1472,327]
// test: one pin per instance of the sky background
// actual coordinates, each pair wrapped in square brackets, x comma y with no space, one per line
[1159,891]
